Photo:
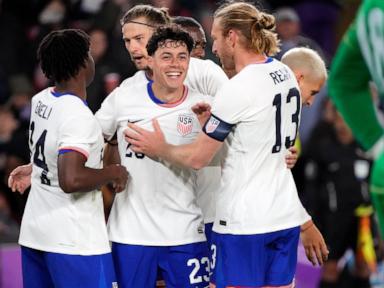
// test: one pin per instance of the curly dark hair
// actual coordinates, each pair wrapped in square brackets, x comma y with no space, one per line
[171,32]
[62,53]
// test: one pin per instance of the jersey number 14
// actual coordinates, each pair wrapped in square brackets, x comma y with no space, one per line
[38,155]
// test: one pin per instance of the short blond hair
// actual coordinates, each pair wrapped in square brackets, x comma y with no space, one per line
[256,27]
[306,60]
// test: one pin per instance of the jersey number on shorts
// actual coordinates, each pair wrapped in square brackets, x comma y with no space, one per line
[38,156]
[193,278]
[293,93]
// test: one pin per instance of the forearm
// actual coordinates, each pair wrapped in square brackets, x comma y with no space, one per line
[184,155]
[111,155]
[349,90]
[84,179]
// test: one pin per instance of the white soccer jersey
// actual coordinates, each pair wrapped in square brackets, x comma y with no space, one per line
[53,220]
[206,77]
[159,205]
[258,193]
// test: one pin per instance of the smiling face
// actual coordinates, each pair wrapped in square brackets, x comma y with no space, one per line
[135,38]
[221,46]
[170,64]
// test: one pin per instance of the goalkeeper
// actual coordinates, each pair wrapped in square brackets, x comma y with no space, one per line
[359,60]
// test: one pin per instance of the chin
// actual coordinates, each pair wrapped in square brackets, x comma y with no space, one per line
[141,66]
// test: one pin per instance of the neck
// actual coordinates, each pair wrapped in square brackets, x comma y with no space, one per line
[149,73]
[74,87]
[166,94]
[243,58]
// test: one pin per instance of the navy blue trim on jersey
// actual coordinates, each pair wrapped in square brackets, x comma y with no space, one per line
[152,95]
[217,128]
[269,60]
[66,151]
[59,94]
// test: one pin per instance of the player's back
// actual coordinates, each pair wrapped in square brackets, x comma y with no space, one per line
[55,221]
[258,194]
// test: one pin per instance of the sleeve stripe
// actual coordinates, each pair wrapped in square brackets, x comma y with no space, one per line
[76,149]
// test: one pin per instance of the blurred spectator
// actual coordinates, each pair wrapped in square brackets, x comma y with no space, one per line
[288,28]
[12,46]
[174,7]
[337,175]
[20,100]
[107,77]
[14,151]
[319,19]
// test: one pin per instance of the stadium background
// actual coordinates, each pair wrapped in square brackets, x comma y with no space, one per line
[316,23]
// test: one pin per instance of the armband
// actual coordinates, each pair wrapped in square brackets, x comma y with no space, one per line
[217,128]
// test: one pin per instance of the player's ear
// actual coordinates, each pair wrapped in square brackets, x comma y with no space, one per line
[299,76]
[232,37]
[150,62]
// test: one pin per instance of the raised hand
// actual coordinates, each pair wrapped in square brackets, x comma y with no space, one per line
[20,178]
[202,111]
[152,144]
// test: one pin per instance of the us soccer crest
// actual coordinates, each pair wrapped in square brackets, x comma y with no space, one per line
[212,124]
[184,124]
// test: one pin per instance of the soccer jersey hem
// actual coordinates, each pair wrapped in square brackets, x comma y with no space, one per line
[60,250]
[157,243]
[272,228]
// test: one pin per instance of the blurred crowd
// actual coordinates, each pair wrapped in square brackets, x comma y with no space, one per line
[23,24]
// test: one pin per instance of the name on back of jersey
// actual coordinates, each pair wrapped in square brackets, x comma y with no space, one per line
[42,110]
[280,75]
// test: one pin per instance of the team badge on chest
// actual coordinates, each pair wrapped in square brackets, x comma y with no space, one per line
[184,124]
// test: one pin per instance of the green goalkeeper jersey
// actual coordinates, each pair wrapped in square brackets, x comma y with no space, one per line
[359,60]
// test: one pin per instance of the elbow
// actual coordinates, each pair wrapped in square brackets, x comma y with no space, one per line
[198,163]
[69,184]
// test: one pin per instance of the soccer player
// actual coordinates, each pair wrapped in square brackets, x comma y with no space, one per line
[309,69]
[258,213]
[208,180]
[63,235]
[359,60]
[197,33]
[165,226]
[204,76]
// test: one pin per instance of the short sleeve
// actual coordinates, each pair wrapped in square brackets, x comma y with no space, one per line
[214,78]
[106,115]
[230,104]
[205,76]
[78,132]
